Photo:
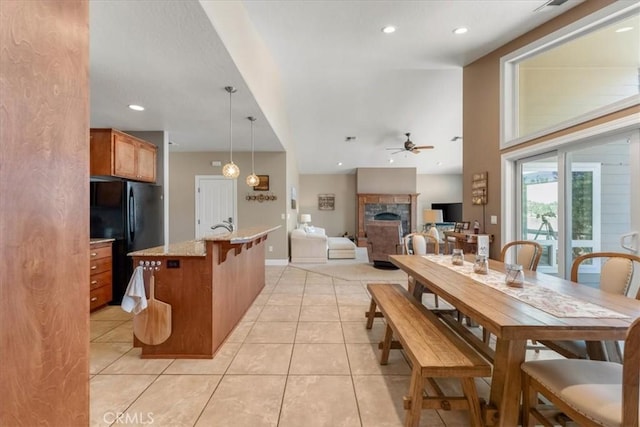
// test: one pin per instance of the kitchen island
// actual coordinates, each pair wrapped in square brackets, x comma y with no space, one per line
[209,283]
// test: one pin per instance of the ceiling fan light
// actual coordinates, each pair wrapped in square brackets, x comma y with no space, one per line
[253,180]
[230,170]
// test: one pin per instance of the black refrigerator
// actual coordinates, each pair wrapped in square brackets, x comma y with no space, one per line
[132,214]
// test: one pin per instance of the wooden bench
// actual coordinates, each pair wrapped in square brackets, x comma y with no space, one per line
[433,349]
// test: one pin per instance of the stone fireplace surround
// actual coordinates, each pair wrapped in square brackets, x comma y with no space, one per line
[370,204]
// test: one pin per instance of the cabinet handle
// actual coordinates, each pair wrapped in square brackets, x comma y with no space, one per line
[93,267]
[93,282]
[94,253]
[94,299]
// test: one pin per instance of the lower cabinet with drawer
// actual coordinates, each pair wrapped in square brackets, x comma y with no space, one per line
[100,279]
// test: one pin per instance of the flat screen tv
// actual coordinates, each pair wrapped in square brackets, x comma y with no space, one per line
[451,212]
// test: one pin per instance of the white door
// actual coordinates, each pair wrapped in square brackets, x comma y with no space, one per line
[215,202]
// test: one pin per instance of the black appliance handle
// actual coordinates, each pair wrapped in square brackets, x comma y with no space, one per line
[132,215]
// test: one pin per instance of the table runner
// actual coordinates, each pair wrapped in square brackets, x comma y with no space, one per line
[545,299]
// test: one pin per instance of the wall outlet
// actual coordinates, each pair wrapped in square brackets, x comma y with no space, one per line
[494,219]
[270,248]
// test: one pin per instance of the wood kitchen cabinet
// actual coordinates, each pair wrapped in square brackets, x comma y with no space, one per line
[115,153]
[100,274]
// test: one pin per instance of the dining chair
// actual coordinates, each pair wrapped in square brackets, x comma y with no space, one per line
[528,253]
[590,392]
[421,244]
[616,275]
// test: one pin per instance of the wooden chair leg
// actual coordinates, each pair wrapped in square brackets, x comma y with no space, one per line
[471,393]
[529,401]
[412,418]
[371,314]
[386,346]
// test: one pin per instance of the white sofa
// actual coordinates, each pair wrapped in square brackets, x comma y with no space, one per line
[309,244]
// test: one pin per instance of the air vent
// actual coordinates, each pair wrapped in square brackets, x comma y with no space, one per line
[548,5]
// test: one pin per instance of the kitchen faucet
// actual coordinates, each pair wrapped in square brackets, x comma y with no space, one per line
[227,225]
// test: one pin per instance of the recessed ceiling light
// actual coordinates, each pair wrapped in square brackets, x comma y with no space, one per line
[389,29]
[439,163]
[624,29]
[136,107]
[390,160]
[460,30]
[339,163]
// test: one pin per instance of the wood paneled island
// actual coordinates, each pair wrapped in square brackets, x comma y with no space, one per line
[210,284]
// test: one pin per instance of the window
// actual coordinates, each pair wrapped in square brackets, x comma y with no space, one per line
[580,72]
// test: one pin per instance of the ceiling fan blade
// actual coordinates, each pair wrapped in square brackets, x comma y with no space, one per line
[415,151]
[395,148]
[400,150]
[425,147]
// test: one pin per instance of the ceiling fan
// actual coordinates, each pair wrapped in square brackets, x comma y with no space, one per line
[410,146]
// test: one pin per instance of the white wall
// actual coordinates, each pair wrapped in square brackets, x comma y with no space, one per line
[438,189]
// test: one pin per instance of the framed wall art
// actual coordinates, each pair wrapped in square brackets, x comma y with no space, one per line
[479,188]
[263,184]
[326,202]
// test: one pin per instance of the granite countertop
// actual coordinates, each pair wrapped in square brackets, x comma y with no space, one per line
[188,248]
[198,247]
[100,240]
[242,235]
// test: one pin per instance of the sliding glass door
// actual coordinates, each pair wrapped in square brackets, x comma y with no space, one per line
[580,199]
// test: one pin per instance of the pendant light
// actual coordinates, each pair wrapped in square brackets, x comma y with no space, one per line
[252,180]
[230,170]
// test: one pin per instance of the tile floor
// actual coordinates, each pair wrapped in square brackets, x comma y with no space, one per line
[300,357]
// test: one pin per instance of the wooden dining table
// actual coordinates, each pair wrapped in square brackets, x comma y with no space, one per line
[513,321]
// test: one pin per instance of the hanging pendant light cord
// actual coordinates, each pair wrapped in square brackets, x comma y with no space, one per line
[252,162]
[230,130]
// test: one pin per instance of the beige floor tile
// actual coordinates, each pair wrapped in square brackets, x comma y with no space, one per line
[319,401]
[245,401]
[318,279]
[319,332]
[354,298]
[350,288]
[381,405]
[319,290]
[102,354]
[319,313]
[262,359]
[272,332]
[350,313]
[111,312]
[365,360]
[319,299]
[284,299]
[100,327]
[261,299]
[112,394]
[252,314]
[319,359]
[240,332]
[131,363]
[176,400]
[293,289]
[216,366]
[357,333]
[452,387]
[121,333]
[279,313]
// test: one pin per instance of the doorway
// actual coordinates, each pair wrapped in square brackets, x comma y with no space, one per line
[580,198]
[215,202]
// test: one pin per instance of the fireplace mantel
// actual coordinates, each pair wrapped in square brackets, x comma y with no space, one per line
[388,199]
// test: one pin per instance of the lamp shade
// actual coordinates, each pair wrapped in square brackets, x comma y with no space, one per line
[431,216]
[305,218]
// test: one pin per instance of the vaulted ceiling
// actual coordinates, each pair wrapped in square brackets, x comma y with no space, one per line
[341,75]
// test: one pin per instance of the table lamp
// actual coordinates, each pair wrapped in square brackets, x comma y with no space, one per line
[432,216]
[305,219]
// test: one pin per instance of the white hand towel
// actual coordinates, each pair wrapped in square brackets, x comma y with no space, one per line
[135,297]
